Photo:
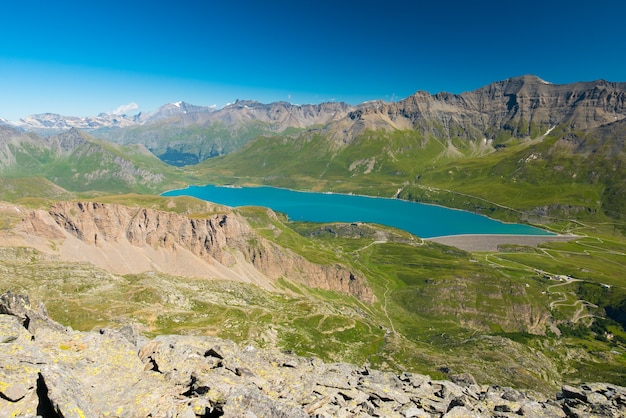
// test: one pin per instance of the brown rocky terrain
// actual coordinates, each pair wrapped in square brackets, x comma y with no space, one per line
[510,104]
[126,240]
[280,115]
[52,371]
[522,106]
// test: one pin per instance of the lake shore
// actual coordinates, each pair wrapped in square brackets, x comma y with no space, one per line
[491,242]
[420,219]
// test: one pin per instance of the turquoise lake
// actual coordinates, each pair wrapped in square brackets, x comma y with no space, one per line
[426,221]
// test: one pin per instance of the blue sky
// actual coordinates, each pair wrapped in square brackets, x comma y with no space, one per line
[82,58]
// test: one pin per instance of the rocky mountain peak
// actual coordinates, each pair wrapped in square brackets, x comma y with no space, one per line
[239,103]
[518,107]
[173,110]
[54,123]
[69,141]
[527,79]
[522,107]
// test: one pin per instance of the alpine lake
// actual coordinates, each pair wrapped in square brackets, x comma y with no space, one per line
[422,220]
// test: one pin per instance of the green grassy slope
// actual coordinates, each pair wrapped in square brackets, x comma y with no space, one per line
[568,181]
[491,313]
[375,162]
[180,145]
[31,188]
[512,317]
[439,309]
[79,163]
[520,181]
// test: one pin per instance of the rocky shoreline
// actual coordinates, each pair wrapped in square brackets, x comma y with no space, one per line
[52,371]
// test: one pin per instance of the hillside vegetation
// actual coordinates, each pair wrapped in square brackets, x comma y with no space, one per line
[517,150]
[78,162]
[537,180]
[509,317]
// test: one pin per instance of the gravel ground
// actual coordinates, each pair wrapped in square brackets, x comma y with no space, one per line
[486,242]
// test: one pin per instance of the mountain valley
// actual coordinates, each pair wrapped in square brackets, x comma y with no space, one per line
[84,229]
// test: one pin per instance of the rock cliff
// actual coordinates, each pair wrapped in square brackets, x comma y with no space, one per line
[280,115]
[522,106]
[133,240]
[52,371]
[517,105]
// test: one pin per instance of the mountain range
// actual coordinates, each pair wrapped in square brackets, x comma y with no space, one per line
[521,107]
[572,133]
[281,114]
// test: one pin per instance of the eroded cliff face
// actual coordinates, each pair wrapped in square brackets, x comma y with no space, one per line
[223,245]
[522,106]
[276,262]
[96,223]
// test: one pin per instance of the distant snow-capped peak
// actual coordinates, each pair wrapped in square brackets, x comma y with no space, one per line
[55,122]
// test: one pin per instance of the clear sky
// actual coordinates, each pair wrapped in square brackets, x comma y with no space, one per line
[85,57]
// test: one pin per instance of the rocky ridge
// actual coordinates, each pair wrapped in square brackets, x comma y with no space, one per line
[518,107]
[278,116]
[522,106]
[182,134]
[54,122]
[107,234]
[499,105]
[51,371]
[282,115]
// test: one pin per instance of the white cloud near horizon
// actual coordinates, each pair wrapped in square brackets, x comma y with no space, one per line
[126,108]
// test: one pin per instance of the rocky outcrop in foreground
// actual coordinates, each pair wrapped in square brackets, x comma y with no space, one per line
[52,371]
